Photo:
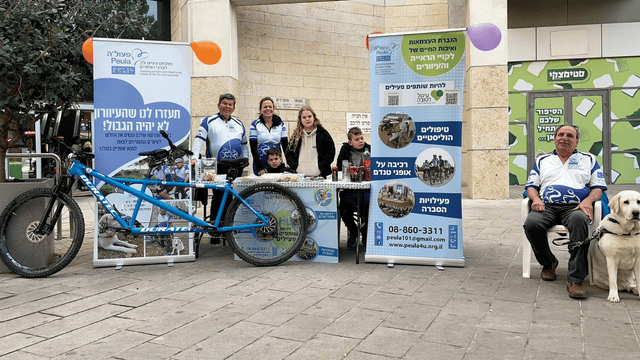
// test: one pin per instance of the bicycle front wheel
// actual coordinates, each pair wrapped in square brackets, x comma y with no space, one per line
[281,238]
[39,255]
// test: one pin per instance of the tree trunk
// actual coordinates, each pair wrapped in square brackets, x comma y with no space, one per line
[3,156]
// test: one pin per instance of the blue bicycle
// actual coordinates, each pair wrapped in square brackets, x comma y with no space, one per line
[42,230]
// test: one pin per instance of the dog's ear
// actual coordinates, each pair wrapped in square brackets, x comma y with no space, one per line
[614,203]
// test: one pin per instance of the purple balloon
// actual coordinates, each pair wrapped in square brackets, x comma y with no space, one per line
[484,36]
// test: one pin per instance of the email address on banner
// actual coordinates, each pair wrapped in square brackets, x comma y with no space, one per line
[417,240]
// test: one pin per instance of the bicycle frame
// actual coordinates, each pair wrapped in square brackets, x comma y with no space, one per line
[197,225]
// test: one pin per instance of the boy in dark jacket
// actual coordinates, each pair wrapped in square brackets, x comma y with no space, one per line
[274,159]
[355,150]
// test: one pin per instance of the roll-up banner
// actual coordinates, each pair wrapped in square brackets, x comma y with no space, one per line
[417,84]
[140,88]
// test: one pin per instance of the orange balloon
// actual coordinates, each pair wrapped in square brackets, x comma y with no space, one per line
[375,32]
[207,52]
[87,50]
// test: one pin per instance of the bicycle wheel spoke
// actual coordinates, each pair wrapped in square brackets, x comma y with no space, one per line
[280,238]
[29,253]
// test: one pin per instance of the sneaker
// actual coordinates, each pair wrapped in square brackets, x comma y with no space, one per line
[549,271]
[576,291]
[215,237]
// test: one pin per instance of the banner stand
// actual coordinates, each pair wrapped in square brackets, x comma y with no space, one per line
[140,88]
[417,87]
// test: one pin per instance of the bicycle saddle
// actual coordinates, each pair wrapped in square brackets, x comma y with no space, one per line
[235,163]
[157,154]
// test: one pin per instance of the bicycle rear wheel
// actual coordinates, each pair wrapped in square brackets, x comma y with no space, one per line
[32,255]
[281,238]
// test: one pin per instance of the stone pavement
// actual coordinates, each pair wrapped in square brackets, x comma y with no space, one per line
[218,308]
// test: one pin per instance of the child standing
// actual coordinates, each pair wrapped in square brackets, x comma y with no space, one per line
[274,159]
[355,150]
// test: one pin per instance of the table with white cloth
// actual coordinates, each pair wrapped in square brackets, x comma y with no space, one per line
[320,198]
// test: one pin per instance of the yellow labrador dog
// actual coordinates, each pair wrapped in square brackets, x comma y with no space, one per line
[618,250]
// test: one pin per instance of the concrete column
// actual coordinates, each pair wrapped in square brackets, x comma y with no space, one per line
[485,120]
[211,20]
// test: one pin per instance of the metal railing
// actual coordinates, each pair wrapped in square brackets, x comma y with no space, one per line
[45,155]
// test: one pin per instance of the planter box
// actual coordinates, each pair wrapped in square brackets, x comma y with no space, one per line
[11,189]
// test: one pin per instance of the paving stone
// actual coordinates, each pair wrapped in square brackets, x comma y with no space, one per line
[429,294]
[76,321]
[359,355]
[94,288]
[426,350]
[323,347]
[383,301]
[508,316]
[35,306]
[147,351]
[331,307]
[565,310]
[107,347]
[469,305]
[166,322]
[555,336]
[389,342]
[355,291]
[525,294]
[269,348]
[153,309]
[608,333]
[598,353]
[87,303]
[403,285]
[301,327]
[275,315]
[536,354]
[413,317]
[479,285]
[214,286]
[20,297]
[305,297]
[225,343]
[357,323]
[25,322]
[377,277]
[199,329]
[17,341]
[80,337]
[255,302]
[499,345]
[465,328]
[23,355]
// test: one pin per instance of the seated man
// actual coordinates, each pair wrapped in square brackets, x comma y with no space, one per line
[562,187]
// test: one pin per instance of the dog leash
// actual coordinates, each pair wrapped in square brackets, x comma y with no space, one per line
[597,234]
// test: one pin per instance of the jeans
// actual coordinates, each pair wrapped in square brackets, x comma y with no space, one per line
[576,221]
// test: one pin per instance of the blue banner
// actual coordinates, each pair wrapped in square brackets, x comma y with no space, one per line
[140,88]
[417,84]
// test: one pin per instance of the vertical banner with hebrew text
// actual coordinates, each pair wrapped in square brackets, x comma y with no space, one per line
[417,83]
[140,88]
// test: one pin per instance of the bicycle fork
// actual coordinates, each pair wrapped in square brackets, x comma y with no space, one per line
[45,228]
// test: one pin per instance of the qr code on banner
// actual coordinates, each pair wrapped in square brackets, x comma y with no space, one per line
[451,97]
[393,99]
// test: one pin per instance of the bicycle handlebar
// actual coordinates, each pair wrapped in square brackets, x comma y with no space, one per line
[79,153]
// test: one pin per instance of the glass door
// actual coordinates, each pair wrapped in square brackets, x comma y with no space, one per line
[589,110]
